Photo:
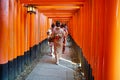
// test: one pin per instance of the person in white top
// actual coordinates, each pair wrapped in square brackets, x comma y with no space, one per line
[51,40]
[58,34]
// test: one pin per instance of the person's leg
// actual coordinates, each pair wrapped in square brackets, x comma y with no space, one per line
[51,47]
[52,50]
[63,49]
[56,48]
[57,55]
[60,48]
[57,60]
[64,44]
[55,52]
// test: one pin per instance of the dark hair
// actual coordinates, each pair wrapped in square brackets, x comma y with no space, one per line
[62,25]
[57,23]
[53,25]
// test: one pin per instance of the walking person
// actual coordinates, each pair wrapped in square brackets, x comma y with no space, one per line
[63,26]
[58,41]
[51,40]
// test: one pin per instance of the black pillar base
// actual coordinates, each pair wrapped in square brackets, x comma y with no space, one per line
[11,75]
[28,57]
[22,63]
[4,71]
[15,67]
[25,59]
[19,64]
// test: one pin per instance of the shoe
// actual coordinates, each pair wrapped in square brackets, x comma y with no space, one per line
[57,63]
[53,56]
[50,54]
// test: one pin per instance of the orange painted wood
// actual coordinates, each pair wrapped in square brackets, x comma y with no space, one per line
[70,27]
[32,29]
[116,57]
[81,26]
[37,28]
[64,7]
[11,32]
[43,26]
[56,11]
[78,27]
[18,31]
[4,38]
[26,31]
[52,2]
[97,37]
[22,20]
[59,15]
[94,28]
[15,29]
[110,31]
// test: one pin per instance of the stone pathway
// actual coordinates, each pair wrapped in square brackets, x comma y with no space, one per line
[46,69]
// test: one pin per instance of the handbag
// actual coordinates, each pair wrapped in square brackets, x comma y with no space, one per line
[51,39]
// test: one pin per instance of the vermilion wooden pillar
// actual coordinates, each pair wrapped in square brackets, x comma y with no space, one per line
[22,35]
[110,33]
[15,38]
[37,28]
[98,27]
[32,29]
[116,57]
[79,27]
[43,26]
[27,31]
[4,38]
[32,35]
[27,37]
[73,27]
[11,68]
